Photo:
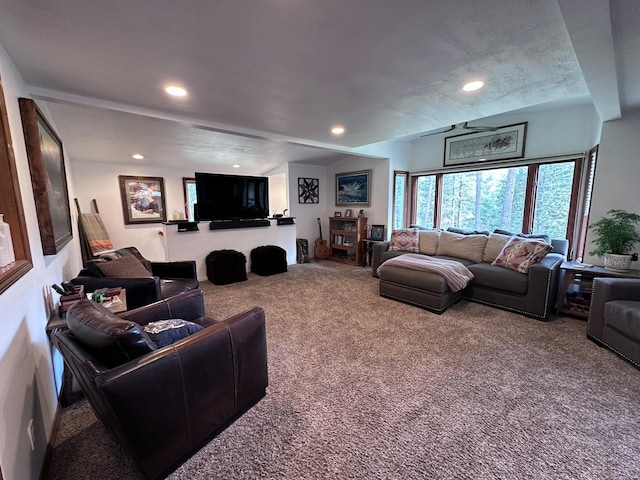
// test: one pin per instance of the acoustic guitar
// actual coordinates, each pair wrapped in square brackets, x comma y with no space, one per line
[322,251]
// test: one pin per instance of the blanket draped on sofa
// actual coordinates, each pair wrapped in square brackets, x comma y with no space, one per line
[455,273]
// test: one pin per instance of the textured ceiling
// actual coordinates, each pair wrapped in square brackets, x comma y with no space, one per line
[286,71]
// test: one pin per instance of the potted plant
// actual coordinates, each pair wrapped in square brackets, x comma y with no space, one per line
[615,238]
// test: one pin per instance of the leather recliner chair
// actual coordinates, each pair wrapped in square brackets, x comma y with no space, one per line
[163,280]
[163,404]
[614,316]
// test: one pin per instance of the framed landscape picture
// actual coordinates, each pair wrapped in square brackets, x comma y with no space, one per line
[48,178]
[505,143]
[142,199]
[353,188]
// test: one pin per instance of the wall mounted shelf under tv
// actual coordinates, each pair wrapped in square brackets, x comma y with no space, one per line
[245,223]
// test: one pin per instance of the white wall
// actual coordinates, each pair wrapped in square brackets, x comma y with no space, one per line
[278,198]
[617,173]
[27,387]
[548,133]
[100,181]
[307,213]
[378,211]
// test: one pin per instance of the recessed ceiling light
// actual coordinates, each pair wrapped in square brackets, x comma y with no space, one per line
[337,130]
[236,166]
[471,86]
[175,90]
[137,156]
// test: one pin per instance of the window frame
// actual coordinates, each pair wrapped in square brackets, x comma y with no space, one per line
[575,225]
[405,199]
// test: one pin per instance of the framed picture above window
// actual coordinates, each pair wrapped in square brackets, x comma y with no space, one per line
[353,188]
[308,190]
[504,143]
[142,199]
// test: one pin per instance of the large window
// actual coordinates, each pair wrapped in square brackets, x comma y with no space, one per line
[535,198]
[424,189]
[553,199]
[400,197]
[484,200]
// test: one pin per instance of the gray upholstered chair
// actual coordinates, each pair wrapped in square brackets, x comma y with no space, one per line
[614,317]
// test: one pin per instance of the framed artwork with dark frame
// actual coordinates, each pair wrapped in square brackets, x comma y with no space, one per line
[377,232]
[504,143]
[142,199]
[353,188]
[308,190]
[48,178]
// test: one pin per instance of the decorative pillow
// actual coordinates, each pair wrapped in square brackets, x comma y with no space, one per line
[428,241]
[540,236]
[126,266]
[494,246]
[136,253]
[111,339]
[458,245]
[165,332]
[405,239]
[520,253]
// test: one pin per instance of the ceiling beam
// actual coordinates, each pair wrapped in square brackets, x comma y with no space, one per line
[588,23]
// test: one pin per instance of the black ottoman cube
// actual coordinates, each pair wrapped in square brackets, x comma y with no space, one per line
[268,260]
[226,266]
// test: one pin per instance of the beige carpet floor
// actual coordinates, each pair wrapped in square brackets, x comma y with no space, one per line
[363,387]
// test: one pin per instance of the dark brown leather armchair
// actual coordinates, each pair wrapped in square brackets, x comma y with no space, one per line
[162,405]
[164,280]
[614,316]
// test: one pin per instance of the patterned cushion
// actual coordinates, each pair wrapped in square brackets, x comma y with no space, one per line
[134,251]
[428,243]
[126,266]
[494,246]
[405,239]
[520,253]
[166,332]
[458,245]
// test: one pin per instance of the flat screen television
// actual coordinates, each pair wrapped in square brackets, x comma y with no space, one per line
[231,197]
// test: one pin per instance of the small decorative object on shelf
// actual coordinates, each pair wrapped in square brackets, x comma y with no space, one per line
[7,255]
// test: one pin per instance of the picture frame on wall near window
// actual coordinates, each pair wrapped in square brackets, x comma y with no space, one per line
[142,199]
[504,143]
[48,178]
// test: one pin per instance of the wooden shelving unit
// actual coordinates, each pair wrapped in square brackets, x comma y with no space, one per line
[580,279]
[345,237]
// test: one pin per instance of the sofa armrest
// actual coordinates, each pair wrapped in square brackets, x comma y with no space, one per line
[378,249]
[543,283]
[179,269]
[249,344]
[140,291]
[167,401]
[603,290]
[187,306]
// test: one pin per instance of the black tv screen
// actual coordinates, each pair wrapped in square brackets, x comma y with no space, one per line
[231,197]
